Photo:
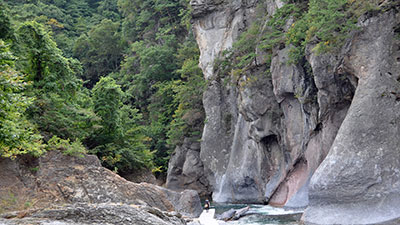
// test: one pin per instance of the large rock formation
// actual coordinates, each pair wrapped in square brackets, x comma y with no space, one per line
[359,181]
[186,170]
[86,214]
[58,179]
[263,140]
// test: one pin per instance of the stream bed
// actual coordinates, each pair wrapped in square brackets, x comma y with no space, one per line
[261,214]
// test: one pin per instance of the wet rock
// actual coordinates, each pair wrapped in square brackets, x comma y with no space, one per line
[233,214]
[227,215]
[241,212]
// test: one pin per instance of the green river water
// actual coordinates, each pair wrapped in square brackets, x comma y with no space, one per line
[261,214]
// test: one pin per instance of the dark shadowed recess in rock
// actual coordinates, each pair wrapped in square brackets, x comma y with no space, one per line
[268,141]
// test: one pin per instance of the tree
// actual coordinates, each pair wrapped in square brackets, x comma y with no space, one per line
[60,107]
[161,110]
[127,121]
[120,142]
[17,134]
[148,19]
[5,23]
[109,9]
[107,99]
[100,51]
[148,65]
[188,118]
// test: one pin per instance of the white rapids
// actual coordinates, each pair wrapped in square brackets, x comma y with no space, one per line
[207,217]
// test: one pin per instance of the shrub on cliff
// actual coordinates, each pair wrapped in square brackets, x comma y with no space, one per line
[325,24]
[67,147]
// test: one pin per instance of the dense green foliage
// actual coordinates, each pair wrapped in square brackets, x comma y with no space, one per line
[100,51]
[119,141]
[131,92]
[59,105]
[67,147]
[17,134]
[152,71]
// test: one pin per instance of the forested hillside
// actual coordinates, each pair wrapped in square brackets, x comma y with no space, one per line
[115,78]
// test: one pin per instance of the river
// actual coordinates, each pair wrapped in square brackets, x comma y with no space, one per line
[262,214]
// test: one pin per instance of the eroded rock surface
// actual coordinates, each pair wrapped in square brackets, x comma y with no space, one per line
[186,170]
[266,135]
[57,179]
[103,213]
[359,181]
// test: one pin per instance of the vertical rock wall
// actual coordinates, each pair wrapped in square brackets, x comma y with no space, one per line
[217,24]
[263,141]
[359,181]
[186,170]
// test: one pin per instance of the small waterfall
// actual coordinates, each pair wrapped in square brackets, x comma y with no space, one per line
[218,195]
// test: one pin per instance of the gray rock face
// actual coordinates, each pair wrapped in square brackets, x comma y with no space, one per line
[85,213]
[216,31]
[186,170]
[144,175]
[359,181]
[64,179]
[204,6]
[188,204]
[264,139]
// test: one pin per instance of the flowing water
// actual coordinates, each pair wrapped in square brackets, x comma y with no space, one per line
[262,214]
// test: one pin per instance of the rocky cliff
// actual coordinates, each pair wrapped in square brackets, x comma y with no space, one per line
[359,181]
[263,141]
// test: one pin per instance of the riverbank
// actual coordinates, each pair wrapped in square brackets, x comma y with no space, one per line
[79,190]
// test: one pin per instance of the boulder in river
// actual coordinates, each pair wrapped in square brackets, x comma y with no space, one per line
[233,214]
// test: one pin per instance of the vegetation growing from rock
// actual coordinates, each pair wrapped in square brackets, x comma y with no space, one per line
[323,24]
